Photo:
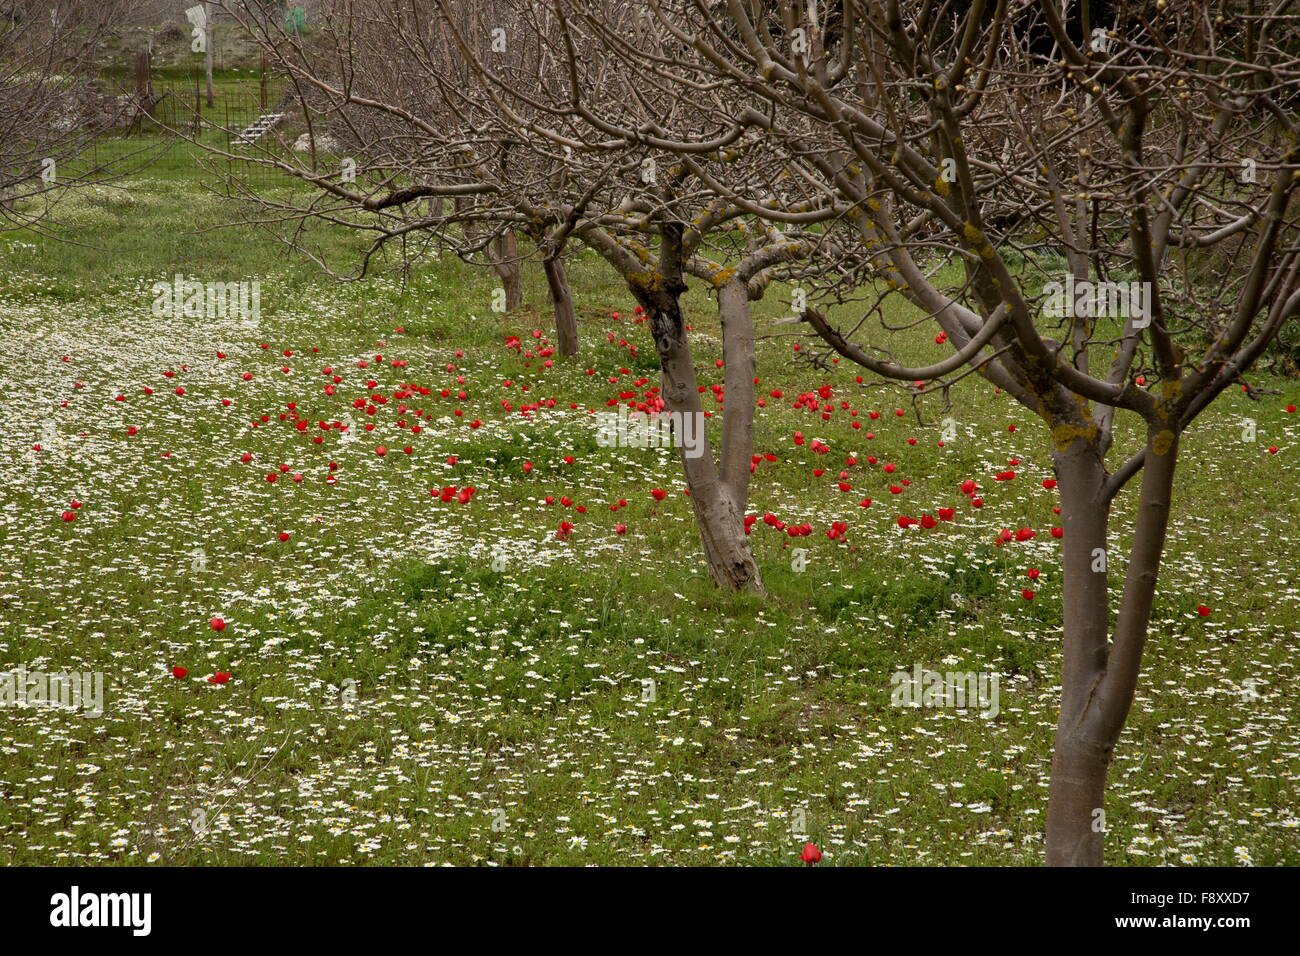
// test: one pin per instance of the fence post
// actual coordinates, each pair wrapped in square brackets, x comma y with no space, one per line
[208,50]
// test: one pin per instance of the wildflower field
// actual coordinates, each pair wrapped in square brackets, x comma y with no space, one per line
[365,587]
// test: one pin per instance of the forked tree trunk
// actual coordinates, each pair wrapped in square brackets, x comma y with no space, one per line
[506,263]
[718,498]
[566,320]
[718,514]
[1099,678]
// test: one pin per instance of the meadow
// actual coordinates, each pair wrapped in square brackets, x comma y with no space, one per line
[533,667]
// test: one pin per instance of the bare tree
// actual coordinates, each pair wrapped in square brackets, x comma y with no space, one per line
[667,226]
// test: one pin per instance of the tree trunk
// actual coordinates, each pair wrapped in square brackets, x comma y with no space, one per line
[722,531]
[718,515]
[509,270]
[566,320]
[1074,835]
[469,227]
[1099,679]
[1075,827]
[739,366]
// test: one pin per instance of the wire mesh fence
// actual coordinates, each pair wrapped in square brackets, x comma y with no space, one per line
[168,120]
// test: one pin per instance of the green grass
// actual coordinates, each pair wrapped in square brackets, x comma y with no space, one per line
[401,696]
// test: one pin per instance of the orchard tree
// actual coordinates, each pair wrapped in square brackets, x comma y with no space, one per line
[1153,155]
[668,225]
[654,262]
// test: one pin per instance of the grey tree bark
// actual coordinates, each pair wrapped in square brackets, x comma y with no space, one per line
[506,262]
[719,511]
[1099,680]
[739,366]
[1079,766]
[566,319]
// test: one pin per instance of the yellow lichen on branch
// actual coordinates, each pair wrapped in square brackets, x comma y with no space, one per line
[1065,434]
[1163,441]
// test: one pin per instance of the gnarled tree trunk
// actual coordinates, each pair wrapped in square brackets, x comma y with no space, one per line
[719,513]
[720,519]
